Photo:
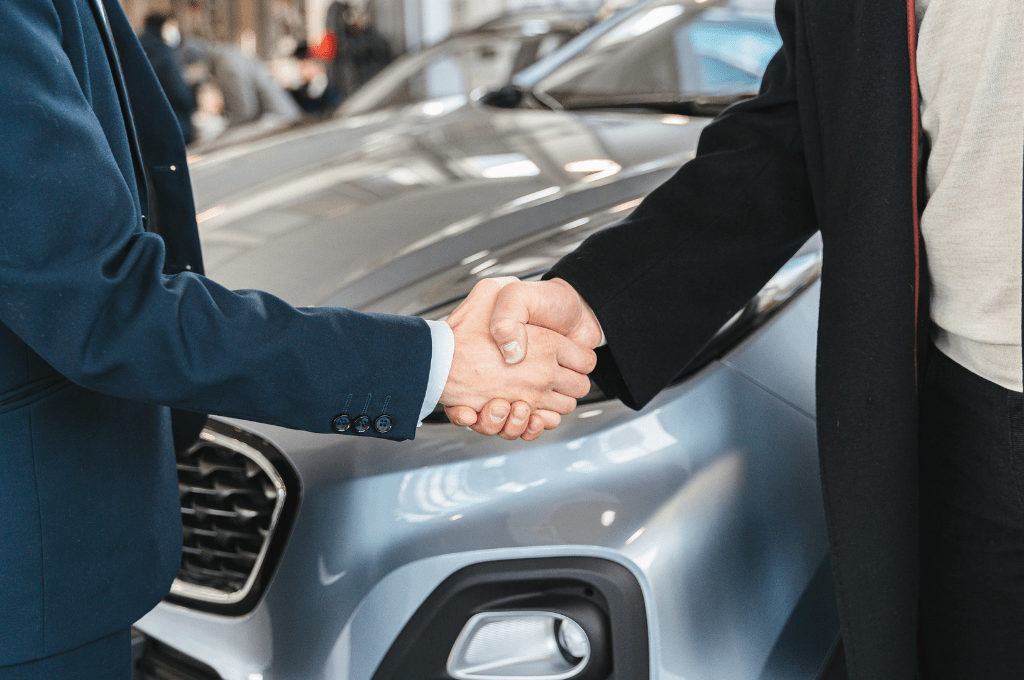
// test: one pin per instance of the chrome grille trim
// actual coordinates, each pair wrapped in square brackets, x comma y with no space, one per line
[209,594]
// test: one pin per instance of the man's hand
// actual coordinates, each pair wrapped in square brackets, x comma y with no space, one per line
[551,304]
[549,380]
[506,420]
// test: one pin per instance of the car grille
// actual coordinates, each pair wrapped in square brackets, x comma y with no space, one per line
[231,500]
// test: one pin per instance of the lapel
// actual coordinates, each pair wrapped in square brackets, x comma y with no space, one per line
[100,14]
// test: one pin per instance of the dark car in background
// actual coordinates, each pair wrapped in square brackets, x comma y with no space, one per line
[684,540]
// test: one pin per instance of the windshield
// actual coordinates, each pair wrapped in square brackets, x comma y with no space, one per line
[453,68]
[669,50]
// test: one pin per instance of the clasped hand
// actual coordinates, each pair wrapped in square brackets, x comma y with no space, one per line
[522,352]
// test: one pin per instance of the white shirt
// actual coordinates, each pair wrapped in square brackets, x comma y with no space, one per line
[442,342]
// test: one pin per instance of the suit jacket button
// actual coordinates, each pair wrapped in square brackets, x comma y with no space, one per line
[383,424]
[361,424]
[341,423]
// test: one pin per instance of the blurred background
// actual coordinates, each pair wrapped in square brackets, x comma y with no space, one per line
[235,70]
[258,26]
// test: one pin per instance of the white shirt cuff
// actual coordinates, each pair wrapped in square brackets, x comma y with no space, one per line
[443,349]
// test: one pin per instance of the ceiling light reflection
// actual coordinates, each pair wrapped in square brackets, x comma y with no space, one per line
[404,176]
[525,168]
[208,214]
[675,119]
[583,466]
[638,534]
[591,165]
[475,257]
[520,265]
[628,205]
[482,266]
[535,196]
[575,223]
[501,165]
[614,170]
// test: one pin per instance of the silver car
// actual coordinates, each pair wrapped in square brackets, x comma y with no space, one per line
[484,57]
[685,540]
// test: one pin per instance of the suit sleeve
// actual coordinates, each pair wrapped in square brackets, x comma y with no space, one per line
[82,284]
[699,247]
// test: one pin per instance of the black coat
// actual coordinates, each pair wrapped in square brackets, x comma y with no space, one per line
[831,144]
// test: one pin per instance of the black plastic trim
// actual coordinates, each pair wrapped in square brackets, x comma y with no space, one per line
[153,660]
[421,650]
[281,531]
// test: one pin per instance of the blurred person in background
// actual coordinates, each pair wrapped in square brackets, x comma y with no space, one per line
[311,88]
[356,50]
[248,92]
[209,119]
[160,39]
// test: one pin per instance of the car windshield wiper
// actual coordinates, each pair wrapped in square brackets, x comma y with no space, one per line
[666,103]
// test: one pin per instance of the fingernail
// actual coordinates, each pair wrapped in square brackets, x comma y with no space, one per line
[459,423]
[519,417]
[499,415]
[535,430]
[512,352]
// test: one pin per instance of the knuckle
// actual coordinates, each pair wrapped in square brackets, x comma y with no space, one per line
[503,326]
[483,285]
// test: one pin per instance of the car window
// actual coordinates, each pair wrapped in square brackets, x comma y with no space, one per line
[673,50]
[454,67]
[730,54]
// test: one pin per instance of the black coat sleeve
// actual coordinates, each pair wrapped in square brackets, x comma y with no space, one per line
[665,279]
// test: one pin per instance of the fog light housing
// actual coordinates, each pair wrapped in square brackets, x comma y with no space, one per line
[519,644]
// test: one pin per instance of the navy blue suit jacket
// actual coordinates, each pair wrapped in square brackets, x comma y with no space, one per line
[105,323]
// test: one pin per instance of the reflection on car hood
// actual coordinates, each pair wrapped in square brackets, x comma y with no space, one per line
[403,212]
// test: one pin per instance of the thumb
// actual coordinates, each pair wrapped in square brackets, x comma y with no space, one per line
[552,304]
[514,307]
[510,336]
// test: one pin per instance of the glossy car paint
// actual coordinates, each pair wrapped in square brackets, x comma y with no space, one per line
[709,496]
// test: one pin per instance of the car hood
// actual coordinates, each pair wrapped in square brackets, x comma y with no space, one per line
[402,212]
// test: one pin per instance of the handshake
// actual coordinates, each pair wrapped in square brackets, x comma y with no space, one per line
[522,354]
